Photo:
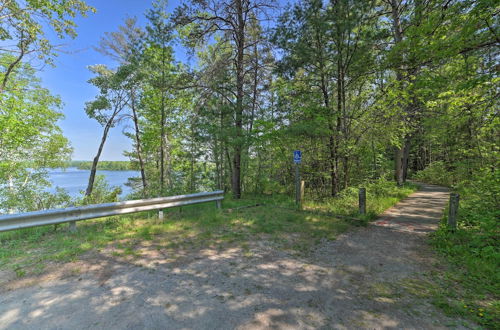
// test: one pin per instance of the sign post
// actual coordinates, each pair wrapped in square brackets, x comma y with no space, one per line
[297,159]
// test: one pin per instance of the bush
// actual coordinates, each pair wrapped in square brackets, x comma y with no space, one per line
[101,192]
[436,173]
[474,249]
[381,194]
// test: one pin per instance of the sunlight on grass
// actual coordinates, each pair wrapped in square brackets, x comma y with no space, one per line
[195,227]
[380,196]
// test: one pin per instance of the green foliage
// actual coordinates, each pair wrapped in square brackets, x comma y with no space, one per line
[436,173]
[320,88]
[194,227]
[25,26]
[353,81]
[112,98]
[380,194]
[27,16]
[101,193]
[30,142]
[107,165]
[473,250]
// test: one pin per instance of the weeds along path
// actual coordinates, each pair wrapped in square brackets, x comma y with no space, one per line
[373,277]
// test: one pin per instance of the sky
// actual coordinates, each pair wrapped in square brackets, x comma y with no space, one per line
[69,77]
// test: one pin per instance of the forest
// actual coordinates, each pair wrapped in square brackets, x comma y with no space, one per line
[373,92]
[113,165]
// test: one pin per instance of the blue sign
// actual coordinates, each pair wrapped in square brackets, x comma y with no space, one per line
[297,156]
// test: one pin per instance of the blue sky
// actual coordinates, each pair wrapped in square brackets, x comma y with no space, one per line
[69,77]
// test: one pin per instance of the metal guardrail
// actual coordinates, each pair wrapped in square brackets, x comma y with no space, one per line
[71,214]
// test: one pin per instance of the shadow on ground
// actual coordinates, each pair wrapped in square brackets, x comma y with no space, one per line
[348,283]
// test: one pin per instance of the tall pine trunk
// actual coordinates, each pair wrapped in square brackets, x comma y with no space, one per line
[401,153]
[162,123]
[138,146]
[90,185]
[238,143]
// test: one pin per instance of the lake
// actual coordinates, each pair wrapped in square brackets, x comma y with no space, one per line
[75,180]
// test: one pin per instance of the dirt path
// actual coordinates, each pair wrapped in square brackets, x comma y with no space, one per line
[372,277]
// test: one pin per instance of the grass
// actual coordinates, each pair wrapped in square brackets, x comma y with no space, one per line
[196,227]
[27,252]
[469,283]
[380,195]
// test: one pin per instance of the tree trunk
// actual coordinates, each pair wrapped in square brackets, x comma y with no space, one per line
[344,123]
[236,179]
[401,153]
[162,123]
[138,146]
[240,41]
[191,169]
[22,43]
[345,164]
[398,161]
[254,87]
[406,158]
[229,164]
[222,147]
[90,185]
[333,166]
[218,169]
[401,156]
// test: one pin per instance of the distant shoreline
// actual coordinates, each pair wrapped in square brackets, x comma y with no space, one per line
[75,180]
[105,165]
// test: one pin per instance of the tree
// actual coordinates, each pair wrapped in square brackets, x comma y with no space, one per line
[356,82]
[126,46]
[30,139]
[200,21]
[425,36]
[327,51]
[26,24]
[159,60]
[106,108]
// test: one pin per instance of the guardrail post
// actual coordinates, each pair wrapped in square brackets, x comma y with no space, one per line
[453,211]
[72,226]
[160,215]
[218,204]
[362,200]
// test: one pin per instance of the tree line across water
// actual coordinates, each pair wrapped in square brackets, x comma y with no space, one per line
[108,165]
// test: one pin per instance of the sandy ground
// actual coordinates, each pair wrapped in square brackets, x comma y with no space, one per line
[348,283]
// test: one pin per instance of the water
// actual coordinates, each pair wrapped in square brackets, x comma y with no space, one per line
[74,180]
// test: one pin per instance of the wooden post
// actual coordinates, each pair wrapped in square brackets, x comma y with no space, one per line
[453,211]
[301,193]
[297,185]
[362,200]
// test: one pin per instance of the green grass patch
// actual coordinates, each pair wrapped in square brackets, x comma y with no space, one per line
[469,285]
[189,227]
[380,195]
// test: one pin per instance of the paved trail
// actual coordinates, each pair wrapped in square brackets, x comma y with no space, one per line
[356,281]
